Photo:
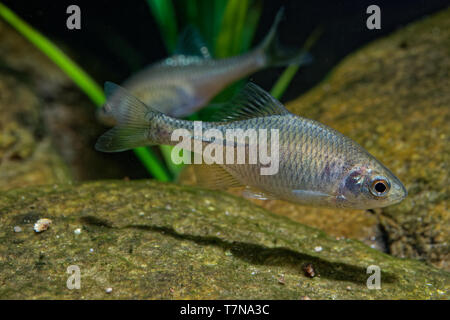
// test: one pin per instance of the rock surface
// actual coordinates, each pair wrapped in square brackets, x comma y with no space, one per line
[150,240]
[393,98]
[353,224]
[26,155]
[45,120]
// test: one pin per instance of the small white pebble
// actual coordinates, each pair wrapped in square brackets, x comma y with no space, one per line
[77,231]
[108,290]
[91,250]
[318,249]
[42,224]
[17,229]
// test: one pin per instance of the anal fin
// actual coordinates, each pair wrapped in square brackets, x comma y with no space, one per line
[254,193]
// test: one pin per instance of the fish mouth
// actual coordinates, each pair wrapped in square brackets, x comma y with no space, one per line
[405,192]
[399,193]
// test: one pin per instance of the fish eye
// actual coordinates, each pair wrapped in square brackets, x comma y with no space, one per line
[379,187]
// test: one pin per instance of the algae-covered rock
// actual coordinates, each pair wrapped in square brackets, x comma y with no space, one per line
[150,240]
[341,223]
[393,98]
[47,125]
[26,155]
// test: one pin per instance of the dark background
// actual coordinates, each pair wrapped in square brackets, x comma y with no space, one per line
[119,37]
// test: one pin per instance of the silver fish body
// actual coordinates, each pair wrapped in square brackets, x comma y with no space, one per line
[317,165]
[183,83]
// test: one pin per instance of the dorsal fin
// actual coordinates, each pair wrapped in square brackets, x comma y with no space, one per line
[251,102]
[191,43]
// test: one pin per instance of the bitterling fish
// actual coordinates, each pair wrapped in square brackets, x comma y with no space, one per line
[317,165]
[188,80]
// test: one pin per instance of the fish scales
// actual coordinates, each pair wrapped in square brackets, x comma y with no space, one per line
[316,164]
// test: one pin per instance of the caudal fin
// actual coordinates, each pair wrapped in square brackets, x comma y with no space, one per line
[131,116]
[276,55]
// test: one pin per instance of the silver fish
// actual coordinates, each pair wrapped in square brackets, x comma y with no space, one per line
[187,81]
[317,165]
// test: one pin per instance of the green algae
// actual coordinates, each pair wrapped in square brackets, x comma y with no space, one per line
[150,240]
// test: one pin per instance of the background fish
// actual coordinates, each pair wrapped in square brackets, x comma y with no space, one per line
[187,81]
[317,165]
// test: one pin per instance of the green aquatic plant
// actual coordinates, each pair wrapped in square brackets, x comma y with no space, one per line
[228,28]
[77,74]
[286,77]
[164,14]
[227,25]
[80,78]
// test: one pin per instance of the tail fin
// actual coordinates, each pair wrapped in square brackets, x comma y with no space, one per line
[278,56]
[131,117]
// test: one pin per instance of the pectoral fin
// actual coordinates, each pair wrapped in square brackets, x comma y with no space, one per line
[213,176]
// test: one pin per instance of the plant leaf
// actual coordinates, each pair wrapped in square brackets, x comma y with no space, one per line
[164,14]
[80,78]
[288,74]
